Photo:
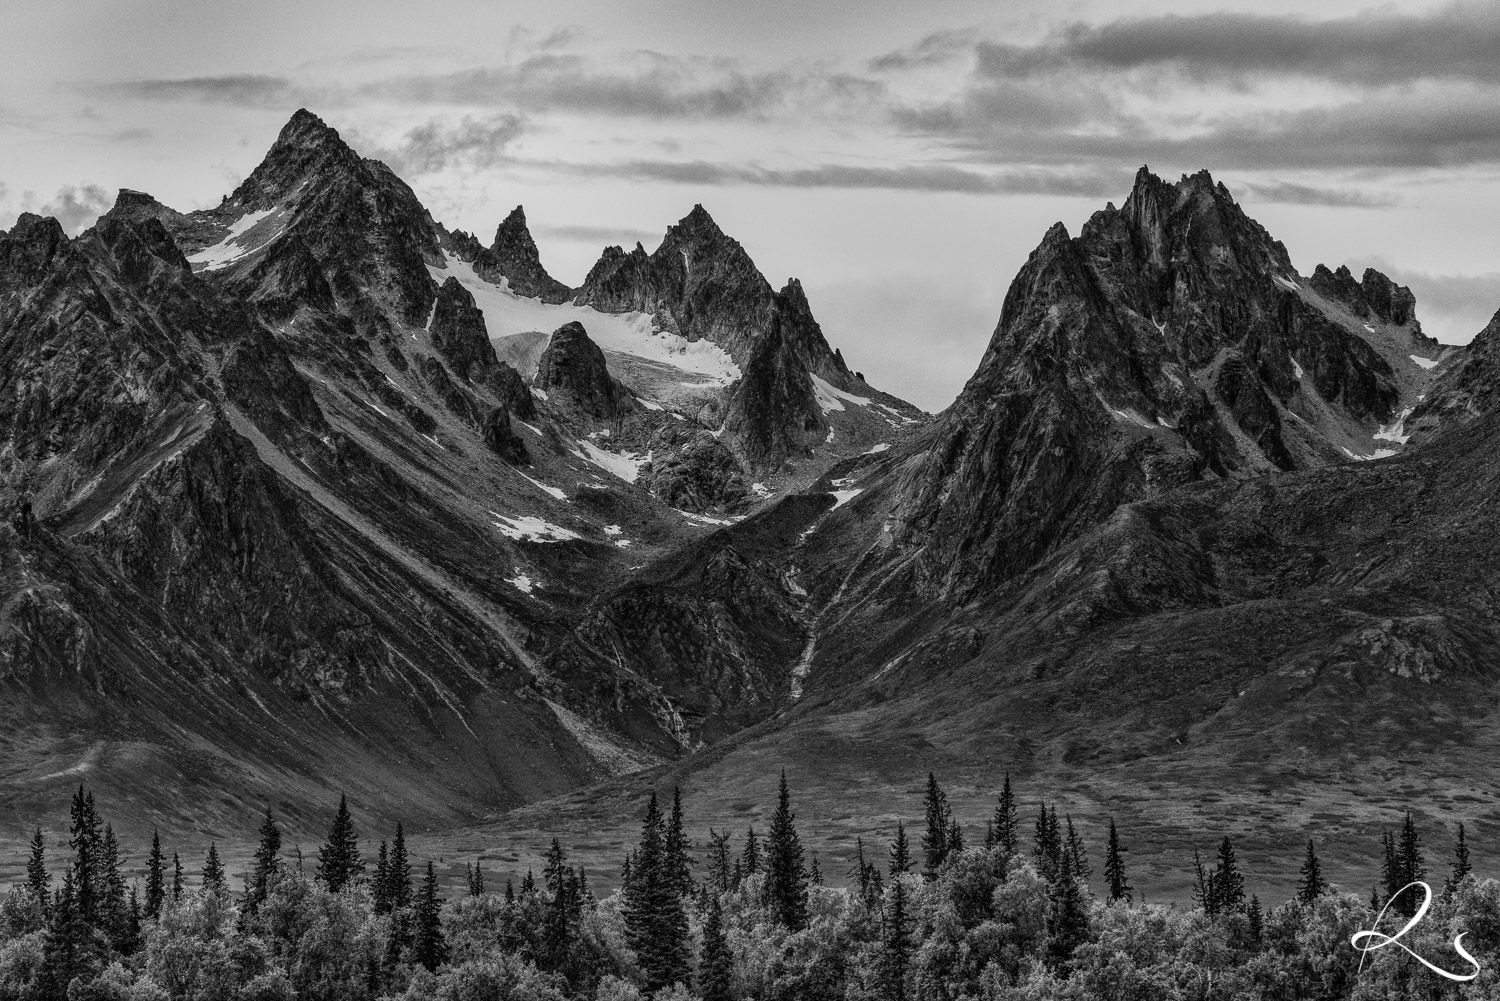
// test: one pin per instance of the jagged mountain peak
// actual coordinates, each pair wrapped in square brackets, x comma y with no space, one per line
[305,147]
[514,256]
[1372,295]
[699,221]
[1170,340]
[573,370]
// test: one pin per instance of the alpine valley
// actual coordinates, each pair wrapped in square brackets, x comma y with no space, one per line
[308,493]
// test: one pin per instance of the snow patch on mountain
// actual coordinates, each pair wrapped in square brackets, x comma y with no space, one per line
[831,398]
[233,247]
[625,465]
[529,528]
[506,314]
[1424,362]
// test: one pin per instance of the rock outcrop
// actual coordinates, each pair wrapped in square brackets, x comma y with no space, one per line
[574,369]
[514,257]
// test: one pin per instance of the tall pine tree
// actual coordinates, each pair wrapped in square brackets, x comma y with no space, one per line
[380,883]
[398,889]
[716,964]
[720,862]
[38,882]
[1004,824]
[213,870]
[786,875]
[900,852]
[1077,860]
[750,859]
[939,825]
[1114,868]
[1227,884]
[338,860]
[655,922]
[1312,885]
[1462,866]
[896,954]
[677,845]
[267,860]
[156,878]
[428,946]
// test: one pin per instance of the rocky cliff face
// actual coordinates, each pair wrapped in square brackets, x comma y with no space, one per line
[701,284]
[573,367]
[514,256]
[1171,340]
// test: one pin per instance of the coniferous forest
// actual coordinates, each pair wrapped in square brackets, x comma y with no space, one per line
[1017,911]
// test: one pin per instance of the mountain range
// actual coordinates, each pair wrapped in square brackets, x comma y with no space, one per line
[311,493]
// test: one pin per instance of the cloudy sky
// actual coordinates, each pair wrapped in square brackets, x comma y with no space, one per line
[902,159]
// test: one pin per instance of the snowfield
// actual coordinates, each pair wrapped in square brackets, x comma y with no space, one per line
[232,248]
[625,465]
[831,398]
[530,528]
[506,313]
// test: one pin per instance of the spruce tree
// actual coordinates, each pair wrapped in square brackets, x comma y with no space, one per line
[720,863]
[716,964]
[1312,884]
[398,890]
[1461,865]
[87,841]
[1077,864]
[1257,921]
[1409,852]
[113,904]
[1114,868]
[939,823]
[84,831]
[955,839]
[380,885]
[655,922]
[1390,871]
[85,892]
[900,852]
[896,954]
[476,880]
[156,878]
[1048,845]
[1410,866]
[130,939]
[267,860]
[428,947]
[178,885]
[1203,891]
[815,874]
[213,870]
[786,876]
[338,860]
[68,950]
[1005,821]
[556,868]
[677,845]
[38,882]
[750,860]
[1228,885]
[1067,920]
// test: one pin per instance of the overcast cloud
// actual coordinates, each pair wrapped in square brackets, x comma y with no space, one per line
[845,148]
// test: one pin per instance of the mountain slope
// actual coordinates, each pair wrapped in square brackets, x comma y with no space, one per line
[267,472]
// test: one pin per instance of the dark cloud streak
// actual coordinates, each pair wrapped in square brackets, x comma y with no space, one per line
[1377,47]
